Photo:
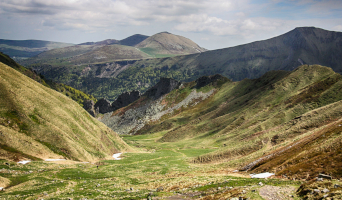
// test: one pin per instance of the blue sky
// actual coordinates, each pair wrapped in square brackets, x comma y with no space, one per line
[212,24]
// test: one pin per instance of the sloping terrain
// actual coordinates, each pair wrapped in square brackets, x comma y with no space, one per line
[165,43]
[19,49]
[276,121]
[37,122]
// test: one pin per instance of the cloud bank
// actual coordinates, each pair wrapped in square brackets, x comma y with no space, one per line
[242,20]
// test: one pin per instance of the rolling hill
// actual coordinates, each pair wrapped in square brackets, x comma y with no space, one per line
[37,123]
[272,123]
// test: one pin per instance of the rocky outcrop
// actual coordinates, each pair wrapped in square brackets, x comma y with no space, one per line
[134,119]
[125,99]
[89,106]
[103,106]
[164,86]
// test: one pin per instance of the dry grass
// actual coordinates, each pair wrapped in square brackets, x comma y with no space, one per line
[46,124]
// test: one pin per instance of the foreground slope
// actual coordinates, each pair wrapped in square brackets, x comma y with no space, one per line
[39,123]
[278,120]
[73,93]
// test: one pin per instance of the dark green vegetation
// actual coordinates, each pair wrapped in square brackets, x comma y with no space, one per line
[306,45]
[37,122]
[19,49]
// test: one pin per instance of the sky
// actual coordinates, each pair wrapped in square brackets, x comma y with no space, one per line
[213,24]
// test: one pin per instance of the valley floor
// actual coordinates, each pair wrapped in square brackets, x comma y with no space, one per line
[158,171]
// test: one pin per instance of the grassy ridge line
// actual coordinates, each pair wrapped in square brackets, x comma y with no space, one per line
[56,126]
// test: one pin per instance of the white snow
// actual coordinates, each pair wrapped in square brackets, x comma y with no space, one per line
[262,175]
[24,162]
[54,159]
[1,188]
[116,156]
[236,170]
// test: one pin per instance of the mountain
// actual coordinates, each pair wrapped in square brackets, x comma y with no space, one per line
[133,40]
[285,52]
[304,45]
[165,43]
[104,42]
[272,123]
[19,49]
[37,123]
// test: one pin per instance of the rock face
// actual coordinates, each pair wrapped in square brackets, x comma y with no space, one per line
[89,106]
[164,86]
[125,99]
[151,106]
[103,106]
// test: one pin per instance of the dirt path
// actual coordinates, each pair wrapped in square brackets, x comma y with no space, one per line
[269,192]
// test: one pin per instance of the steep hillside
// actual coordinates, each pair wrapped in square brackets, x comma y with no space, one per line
[39,123]
[276,121]
[71,92]
[19,49]
[165,43]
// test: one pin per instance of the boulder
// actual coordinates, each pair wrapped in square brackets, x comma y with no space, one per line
[103,106]
[125,99]
[164,86]
[88,105]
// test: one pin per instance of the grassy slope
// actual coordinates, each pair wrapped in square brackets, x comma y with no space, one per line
[37,122]
[247,119]
[74,94]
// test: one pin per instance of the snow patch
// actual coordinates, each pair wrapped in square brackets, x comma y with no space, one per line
[262,175]
[116,156]
[1,188]
[54,159]
[24,162]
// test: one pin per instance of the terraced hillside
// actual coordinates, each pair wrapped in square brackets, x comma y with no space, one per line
[37,123]
[277,121]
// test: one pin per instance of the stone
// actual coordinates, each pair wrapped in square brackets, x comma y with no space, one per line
[103,106]
[125,99]
[324,176]
[261,184]
[337,186]
[164,86]
[316,191]
[319,179]
[325,190]
[88,105]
